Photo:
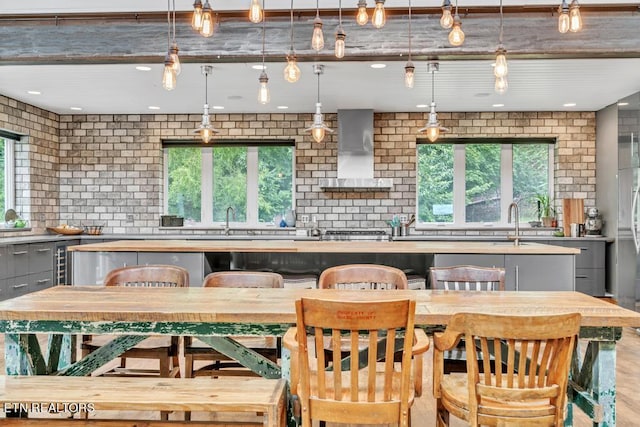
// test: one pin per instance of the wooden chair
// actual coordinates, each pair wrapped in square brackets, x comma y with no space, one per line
[368,395]
[530,391]
[161,348]
[222,365]
[467,278]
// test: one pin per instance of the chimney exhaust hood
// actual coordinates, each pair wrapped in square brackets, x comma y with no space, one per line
[355,154]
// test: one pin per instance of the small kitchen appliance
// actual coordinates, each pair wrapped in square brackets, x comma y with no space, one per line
[593,222]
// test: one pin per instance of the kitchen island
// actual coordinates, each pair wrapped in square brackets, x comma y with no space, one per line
[529,266]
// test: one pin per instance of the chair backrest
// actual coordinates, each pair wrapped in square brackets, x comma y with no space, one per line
[345,393]
[243,279]
[156,276]
[363,276]
[467,278]
[532,356]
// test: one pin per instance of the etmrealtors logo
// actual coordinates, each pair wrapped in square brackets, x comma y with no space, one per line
[49,407]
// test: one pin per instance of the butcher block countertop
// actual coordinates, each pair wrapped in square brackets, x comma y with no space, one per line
[440,247]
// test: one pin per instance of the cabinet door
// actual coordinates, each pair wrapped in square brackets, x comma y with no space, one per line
[4,267]
[590,281]
[90,268]
[481,260]
[539,272]
[41,257]
[3,289]
[18,260]
[192,262]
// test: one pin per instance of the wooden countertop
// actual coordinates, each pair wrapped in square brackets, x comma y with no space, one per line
[440,247]
[276,306]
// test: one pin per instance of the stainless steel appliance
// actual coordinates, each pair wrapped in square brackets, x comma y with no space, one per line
[593,222]
[366,235]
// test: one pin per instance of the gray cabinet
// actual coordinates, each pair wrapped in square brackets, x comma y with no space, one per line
[539,272]
[193,262]
[590,264]
[481,260]
[26,268]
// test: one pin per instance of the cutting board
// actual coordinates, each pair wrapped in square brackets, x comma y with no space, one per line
[572,212]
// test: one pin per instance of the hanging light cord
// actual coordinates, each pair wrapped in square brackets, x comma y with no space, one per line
[456,7]
[291,25]
[340,13]
[409,30]
[206,88]
[318,73]
[264,16]
[501,23]
[317,8]
[174,21]
[169,23]
[433,90]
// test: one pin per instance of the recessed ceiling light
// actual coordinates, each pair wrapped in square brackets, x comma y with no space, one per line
[378,65]
[143,68]
[481,95]
[259,67]
[75,108]
[498,105]
[569,104]
[234,97]
[218,107]
[33,92]
[282,107]
[421,106]
[153,107]
[622,104]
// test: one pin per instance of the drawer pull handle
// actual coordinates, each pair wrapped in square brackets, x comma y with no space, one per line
[582,277]
[20,253]
[42,281]
[43,250]
[23,285]
[584,249]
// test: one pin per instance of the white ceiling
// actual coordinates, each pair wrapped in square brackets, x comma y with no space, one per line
[462,85]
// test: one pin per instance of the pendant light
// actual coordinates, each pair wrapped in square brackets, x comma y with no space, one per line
[500,68]
[173,51]
[318,129]
[456,36]
[196,18]
[409,69]
[207,27]
[317,38]
[340,34]
[292,71]
[169,79]
[255,12]
[446,20]
[362,17]
[263,91]
[379,18]
[563,17]
[433,128]
[205,130]
[575,20]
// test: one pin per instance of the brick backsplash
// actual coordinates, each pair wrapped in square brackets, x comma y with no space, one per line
[109,167]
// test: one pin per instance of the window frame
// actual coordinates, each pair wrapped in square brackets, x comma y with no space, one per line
[506,179]
[206,184]
[10,141]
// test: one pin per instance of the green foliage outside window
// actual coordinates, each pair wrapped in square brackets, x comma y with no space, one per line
[275,181]
[3,206]
[435,182]
[229,183]
[184,182]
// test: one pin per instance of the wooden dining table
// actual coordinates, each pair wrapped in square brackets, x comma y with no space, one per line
[214,314]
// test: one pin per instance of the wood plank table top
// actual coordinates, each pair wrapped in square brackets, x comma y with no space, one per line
[276,306]
[441,247]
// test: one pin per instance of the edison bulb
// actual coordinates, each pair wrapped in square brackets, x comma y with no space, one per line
[379,19]
[433,132]
[317,39]
[173,53]
[362,17]
[318,134]
[446,20]
[409,74]
[501,85]
[500,69]
[255,12]
[206,135]
[339,46]
[207,23]
[456,36]
[196,18]
[575,20]
[263,91]
[168,74]
[292,71]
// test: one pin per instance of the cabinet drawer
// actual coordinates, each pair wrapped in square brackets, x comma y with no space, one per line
[41,257]
[482,260]
[590,281]
[3,289]
[38,281]
[18,286]
[18,260]
[592,254]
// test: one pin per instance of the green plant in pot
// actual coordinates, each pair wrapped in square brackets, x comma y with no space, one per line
[546,212]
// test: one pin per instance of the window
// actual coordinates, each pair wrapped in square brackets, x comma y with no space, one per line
[255,179]
[473,181]
[7,179]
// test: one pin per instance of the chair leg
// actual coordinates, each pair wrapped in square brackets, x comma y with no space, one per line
[442,415]
[165,372]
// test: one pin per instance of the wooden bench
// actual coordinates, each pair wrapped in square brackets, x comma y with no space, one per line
[257,395]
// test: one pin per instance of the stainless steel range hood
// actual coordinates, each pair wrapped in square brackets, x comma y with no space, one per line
[355,154]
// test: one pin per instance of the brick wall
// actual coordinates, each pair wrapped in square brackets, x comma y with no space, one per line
[111,165]
[37,161]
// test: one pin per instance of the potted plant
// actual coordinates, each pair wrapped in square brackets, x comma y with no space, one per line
[546,212]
